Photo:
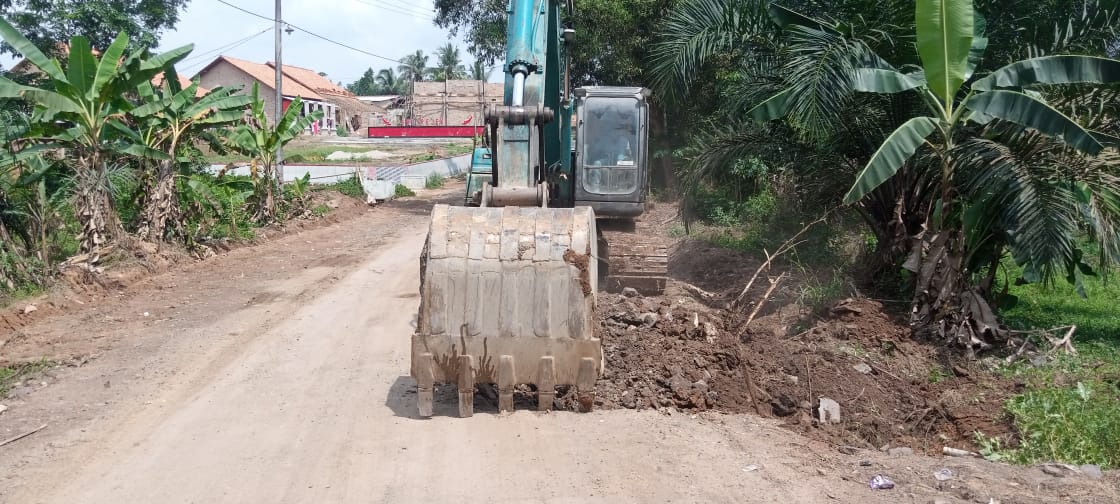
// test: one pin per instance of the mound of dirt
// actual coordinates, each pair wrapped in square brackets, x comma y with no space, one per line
[673,352]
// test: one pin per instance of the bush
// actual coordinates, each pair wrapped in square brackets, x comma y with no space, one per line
[434,181]
[402,191]
[351,187]
[341,131]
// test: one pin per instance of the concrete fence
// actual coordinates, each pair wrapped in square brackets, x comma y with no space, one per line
[329,174]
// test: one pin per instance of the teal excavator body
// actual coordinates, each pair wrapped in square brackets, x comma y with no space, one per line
[508,283]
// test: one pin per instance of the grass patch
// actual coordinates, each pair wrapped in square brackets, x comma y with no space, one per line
[434,181]
[351,187]
[1076,425]
[402,191]
[1071,409]
[10,375]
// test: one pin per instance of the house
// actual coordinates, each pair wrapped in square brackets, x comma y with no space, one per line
[454,102]
[339,106]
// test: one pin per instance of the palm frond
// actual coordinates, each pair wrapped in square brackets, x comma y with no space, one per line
[1019,176]
[820,68]
[697,31]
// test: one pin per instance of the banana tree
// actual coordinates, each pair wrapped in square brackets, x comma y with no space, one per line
[258,141]
[169,121]
[950,43]
[76,108]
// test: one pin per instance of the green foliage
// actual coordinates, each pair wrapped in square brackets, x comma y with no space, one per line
[449,65]
[433,181]
[216,207]
[47,23]
[413,67]
[258,141]
[599,24]
[1077,425]
[351,187]
[402,191]
[297,196]
[341,131]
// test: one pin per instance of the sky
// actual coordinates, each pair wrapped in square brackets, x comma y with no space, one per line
[389,28]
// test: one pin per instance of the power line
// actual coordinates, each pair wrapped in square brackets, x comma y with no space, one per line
[227,46]
[402,8]
[316,35]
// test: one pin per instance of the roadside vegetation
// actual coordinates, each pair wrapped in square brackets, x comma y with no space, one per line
[982,168]
[101,155]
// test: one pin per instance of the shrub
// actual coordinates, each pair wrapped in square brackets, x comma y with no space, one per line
[402,191]
[434,181]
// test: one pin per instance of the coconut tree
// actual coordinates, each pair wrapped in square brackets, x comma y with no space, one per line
[170,120]
[387,82]
[76,109]
[257,141]
[413,67]
[449,66]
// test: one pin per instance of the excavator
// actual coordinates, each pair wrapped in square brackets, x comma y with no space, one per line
[508,281]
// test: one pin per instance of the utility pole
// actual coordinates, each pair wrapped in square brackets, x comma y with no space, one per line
[279,96]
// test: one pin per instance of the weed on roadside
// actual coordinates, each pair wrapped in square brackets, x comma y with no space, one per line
[434,181]
[351,187]
[10,375]
[402,191]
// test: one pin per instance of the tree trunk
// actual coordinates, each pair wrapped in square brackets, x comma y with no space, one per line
[161,205]
[266,198]
[93,205]
[946,306]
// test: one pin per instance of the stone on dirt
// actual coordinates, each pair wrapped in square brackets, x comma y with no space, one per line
[648,319]
[900,451]
[1091,470]
[862,368]
[630,292]
[828,412]
[30,309]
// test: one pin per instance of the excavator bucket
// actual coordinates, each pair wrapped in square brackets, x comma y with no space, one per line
[506,298]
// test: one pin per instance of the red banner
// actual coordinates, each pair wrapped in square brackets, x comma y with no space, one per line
[425,131]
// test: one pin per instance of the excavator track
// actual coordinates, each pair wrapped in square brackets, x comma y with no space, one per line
[630,257]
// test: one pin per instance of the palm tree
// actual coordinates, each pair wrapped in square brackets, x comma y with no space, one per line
[413,67]
[449,66]
[387,82]
[480,72]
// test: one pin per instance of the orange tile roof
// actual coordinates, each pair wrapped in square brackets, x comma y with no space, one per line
[311,79]
[266,75]
[184,83]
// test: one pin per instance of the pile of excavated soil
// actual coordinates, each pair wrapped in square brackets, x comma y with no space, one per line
[671,352]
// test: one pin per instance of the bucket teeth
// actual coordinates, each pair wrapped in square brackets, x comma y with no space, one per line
[506,285]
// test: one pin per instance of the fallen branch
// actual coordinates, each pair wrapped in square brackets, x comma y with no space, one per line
[697,291]
[1066,343]
[956,452]
[788,245]
[762,301]
[21,436]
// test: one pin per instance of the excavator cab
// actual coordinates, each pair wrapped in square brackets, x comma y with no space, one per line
[611,151]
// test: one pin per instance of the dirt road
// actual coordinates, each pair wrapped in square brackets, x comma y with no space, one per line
[277,373]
